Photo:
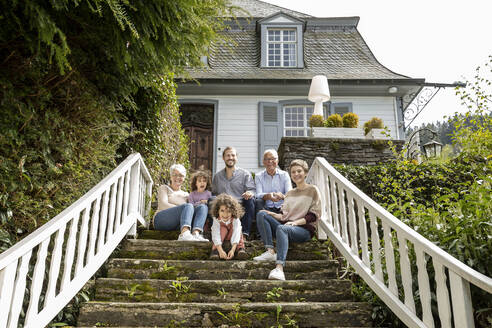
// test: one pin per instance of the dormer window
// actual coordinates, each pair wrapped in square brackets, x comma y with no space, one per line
[281,41]
[282,47]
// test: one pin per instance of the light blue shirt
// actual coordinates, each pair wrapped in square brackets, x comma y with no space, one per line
[265,183]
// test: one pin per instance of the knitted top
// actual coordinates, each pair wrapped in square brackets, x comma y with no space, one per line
[298,203]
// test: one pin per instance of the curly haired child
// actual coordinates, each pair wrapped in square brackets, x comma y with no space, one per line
[200,188]
[226,212]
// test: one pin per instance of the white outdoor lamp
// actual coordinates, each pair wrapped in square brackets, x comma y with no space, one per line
[319,93]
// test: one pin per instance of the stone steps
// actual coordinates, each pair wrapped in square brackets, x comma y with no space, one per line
[205,270]
[235,291]
[309,314]
[196,250]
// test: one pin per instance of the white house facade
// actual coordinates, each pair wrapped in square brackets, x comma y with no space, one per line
[253,88]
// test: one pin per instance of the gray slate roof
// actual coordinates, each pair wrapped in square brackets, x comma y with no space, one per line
[258,8]
[334,49]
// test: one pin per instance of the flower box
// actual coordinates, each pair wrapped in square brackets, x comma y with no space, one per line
[377,134]
[347,133]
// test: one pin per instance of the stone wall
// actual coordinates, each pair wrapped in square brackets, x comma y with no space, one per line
[336,151]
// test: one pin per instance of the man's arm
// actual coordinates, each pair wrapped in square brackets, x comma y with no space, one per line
[287,183]
[259,187]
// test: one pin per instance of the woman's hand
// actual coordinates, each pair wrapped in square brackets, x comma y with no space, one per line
[276,216]
[204,201]
[291,223]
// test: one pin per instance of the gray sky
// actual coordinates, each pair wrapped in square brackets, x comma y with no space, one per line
[439,40]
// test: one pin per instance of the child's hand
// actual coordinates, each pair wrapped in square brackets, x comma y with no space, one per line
[222,254]
[231,254]
[204,201]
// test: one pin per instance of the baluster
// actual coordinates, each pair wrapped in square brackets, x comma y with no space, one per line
[390,258]
[148,204]
[37,283]
[343,213]
[112,211]
[126,196]
[334,206]
[462,304]
[19,291]
[376,247]
[352,225]
[55,265]
[363,233]
[93,231]
[104,221]
[7,277]
[82,241]
[327,204]
[442,294]
[406,273]
[69,253]
[119,199]
[133,186]
[424,288]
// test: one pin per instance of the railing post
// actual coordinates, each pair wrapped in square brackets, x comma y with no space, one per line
[134,194]
[461,299]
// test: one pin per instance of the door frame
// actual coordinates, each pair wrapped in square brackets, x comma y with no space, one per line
[215,103]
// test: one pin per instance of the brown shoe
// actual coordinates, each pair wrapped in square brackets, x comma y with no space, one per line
[242,255]
[214,255]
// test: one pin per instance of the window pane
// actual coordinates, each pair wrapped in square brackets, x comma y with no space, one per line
[288,133]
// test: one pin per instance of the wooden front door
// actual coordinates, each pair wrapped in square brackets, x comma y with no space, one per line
[201,147]
[198,122]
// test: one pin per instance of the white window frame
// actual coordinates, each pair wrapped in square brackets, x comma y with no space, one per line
[306,117]
[282,44]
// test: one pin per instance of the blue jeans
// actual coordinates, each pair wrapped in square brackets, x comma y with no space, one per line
[260,204]
[249,211]
[269,228]
[184,215]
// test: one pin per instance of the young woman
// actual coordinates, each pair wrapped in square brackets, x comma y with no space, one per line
[173,211]
[296,222]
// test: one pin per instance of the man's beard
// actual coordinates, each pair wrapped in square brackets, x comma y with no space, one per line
[230,166]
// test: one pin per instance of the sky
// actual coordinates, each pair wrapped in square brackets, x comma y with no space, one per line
[442,41]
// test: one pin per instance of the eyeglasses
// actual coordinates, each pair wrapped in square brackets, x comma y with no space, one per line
[271,159]
[174,175]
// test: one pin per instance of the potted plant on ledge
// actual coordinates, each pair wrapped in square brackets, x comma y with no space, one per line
[335,126]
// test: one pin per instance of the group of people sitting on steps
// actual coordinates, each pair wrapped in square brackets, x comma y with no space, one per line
[283,213]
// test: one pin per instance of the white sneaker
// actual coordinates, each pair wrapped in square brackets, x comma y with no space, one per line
[186,236]
[199,237]
[276,274]
[267,256]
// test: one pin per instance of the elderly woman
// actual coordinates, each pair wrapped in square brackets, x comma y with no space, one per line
[296,222]
[174,213]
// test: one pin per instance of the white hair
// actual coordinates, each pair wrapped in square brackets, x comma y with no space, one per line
[178,167]
[270,151]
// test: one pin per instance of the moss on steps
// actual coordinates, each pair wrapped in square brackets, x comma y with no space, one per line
[310,314]
[170,269]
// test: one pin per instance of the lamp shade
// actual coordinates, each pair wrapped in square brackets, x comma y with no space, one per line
[319,92]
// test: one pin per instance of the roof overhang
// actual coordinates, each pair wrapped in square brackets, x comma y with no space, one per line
[299,87]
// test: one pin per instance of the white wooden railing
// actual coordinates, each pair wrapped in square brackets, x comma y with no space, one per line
[353,221]
[80,239]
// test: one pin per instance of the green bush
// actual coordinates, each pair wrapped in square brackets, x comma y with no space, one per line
[316,121]
[350,120]
[373,123]
[334,121]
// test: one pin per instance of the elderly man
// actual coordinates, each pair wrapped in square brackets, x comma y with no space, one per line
[238,183]
[271,184]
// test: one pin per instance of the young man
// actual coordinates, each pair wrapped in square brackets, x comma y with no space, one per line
[237,182]
[271,184]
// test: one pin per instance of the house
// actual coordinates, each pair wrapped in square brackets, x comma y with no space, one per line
[253,88]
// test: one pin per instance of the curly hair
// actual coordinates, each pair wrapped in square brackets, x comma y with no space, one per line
[229,202]
[200,174]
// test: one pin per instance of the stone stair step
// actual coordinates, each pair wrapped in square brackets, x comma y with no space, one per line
[196,250]
[196,269]
[308,314]
[158,235]
[236,291]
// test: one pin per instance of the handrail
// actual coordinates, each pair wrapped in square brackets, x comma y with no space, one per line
[80,239]
[351,220]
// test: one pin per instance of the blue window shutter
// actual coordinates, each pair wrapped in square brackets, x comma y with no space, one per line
[270,127]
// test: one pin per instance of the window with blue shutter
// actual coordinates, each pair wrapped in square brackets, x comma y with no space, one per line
[269,128]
